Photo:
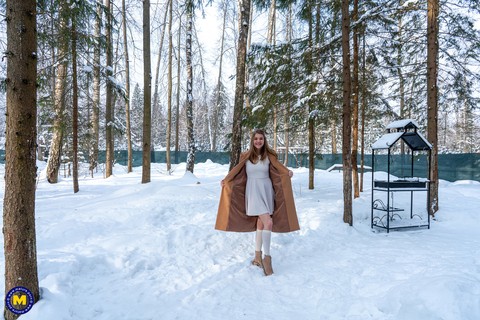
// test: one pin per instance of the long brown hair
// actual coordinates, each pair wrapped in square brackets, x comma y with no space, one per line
[253,153]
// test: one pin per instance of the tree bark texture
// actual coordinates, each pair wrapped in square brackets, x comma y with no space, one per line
[169,89]
[127,92]
[147,91]
[346,116]
[355,102]
[432,98]
[190,137]
[401,78]
[249,42]
[109,108]
[177,106]
[55,152]
[95,120]
[311,152]
[286,122]
[271,41]
[364,108]
[216,110]
[75,108]
[20,248]
[244,23]
[311,107]
[333,132]
[155,105]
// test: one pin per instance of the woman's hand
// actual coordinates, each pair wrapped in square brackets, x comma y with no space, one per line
[290,173]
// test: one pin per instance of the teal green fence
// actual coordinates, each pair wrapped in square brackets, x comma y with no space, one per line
[451,167]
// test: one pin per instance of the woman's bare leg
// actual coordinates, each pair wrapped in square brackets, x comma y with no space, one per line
[266,221]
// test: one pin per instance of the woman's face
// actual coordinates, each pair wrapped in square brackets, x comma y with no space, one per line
[258,141]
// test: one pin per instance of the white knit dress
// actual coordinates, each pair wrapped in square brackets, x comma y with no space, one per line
[259,194]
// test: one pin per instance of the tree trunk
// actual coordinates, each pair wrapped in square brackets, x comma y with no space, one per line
[346,117]
[271,41]
[286,137]
[95,120]
[127,91]
[249,42]
[356,187]
[115,93]
[155,105]
[334,113]
[54,155]
[189,111]
[286,124]
[333,131]
[203,113]
[244,23]
[147,95]
[311,152]
[109,108]
[364,107]
[311,118]
[216,110]
[177,107]
[169,90]
[20,247]
[401,79]
[432,98]
[271,23]
[75,107]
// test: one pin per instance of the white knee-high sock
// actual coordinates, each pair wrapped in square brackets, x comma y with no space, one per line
[266,236]
[258,240]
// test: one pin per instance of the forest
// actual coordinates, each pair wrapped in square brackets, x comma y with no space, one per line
[84,77]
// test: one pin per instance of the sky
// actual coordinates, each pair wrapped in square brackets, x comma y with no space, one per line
[119,249]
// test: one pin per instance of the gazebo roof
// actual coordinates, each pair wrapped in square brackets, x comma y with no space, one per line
[405,130]
[403,124]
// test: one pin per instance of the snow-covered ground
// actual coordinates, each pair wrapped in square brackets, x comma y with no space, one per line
[123,250]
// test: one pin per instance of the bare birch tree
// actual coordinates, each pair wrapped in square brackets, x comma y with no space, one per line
[156,112]
[218,92]
[127,91]
[95,117]
[189,110]
[272,14]
[286,124]
[243,25]
[177,105]
[147,95]
[109,107]
[169,88]
[75,107]
[55,152]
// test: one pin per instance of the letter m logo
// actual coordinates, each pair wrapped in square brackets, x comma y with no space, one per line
[19,300]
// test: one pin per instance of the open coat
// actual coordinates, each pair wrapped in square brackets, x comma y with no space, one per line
[232,215]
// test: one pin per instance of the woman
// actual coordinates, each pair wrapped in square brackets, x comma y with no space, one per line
[257,196]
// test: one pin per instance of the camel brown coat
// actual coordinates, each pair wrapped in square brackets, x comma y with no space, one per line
[232,215]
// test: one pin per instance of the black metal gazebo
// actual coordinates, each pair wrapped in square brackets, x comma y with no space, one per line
[385,212]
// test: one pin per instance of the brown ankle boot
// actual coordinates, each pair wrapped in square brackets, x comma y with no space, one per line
[257,261]
[267,265]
